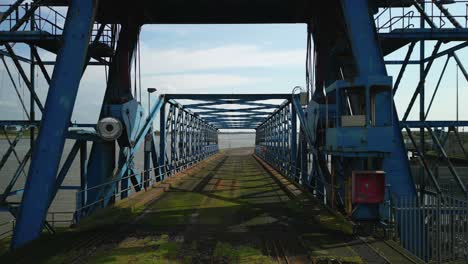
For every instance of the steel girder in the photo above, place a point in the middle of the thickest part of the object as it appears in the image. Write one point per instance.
(231, 111)
(23, 22)
(276, 139)
(56, 117)
(191, 138)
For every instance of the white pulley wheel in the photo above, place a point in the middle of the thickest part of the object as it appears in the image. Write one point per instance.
(109, 128)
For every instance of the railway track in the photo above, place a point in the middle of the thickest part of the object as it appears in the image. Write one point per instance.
(395, 250)
(89, 246)
(276, 251)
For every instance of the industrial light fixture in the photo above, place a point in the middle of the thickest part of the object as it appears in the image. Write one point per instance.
(150, 91)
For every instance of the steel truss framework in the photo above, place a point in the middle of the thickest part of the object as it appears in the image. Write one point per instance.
(276, 139)
(314, 152)
(189, 136)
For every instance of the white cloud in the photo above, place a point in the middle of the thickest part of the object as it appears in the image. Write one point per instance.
(198, 83)
(179, 71)
(222, 57)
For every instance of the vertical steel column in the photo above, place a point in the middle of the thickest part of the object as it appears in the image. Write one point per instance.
(181, 123)
(118, 91)
(124, 183)
(293, 140)
(55, 121)
(190, 138)
(147, 158)
(422, 94)
(83, 172)
(200, 137)
(369, 61)
(162, 139)
(32, 114)
(174, 136)
(363, 38)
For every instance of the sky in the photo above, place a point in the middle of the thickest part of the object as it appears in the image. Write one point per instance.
(230, 59)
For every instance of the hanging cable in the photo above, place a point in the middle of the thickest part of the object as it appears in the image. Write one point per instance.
(456, 77)
(105, 73)
(139, 66)
(135, 73)
(309, 61)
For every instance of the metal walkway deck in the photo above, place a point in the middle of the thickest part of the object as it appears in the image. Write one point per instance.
(231, 208)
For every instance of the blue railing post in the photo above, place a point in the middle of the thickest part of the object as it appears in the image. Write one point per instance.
(293, 141)
(162, 140)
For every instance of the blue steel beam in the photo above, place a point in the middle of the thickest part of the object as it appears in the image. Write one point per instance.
(210, 119)
(252, 111)
(256, 107)
(65, 167)
(399, 62)
(162, 139)
(238, 127)
(433, 124)
(15, 176)
(216, 115)
(232, 125)
(225, 126)
(11, 148)
(124, 167)
(438, 55)
(293, 141)
(232, 102)
(446, 34)
(15, 87)
(421, 83)
(236, 121)
(211, 97)
(403, 67)
(437, 87)
(450, 166)
(23, 75)
(370, 66)
(27, 36)
(55, 121)
(102, 160)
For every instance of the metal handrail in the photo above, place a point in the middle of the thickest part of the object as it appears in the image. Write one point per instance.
(52, 219)
(395, 19)
(50, 26)
(410, 18)
(150, 180)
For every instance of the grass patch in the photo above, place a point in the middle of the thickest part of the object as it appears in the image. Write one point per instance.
(335, 222)
(4, 245)
(344, 260)
(225, 252)
(145, 250)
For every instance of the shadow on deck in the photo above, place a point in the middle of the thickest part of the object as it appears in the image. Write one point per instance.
(228, 209)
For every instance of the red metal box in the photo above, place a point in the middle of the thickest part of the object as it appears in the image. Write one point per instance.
(368, 187)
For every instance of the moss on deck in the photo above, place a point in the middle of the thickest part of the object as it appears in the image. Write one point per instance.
(228, 210)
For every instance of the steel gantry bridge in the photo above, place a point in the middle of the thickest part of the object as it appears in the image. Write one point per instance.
(342, 138)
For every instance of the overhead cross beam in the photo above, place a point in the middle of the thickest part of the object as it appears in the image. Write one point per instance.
(211, 108)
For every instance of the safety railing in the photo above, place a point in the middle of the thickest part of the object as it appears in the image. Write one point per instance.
(320, 189)
(433, 228)
(6, 229)
(67, 218)
(47, 21)
(54, 218)
(60, 218)
(167, 171)
(451, 189)
(399, 16)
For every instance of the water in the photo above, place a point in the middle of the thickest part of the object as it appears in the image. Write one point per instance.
(65, 201)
